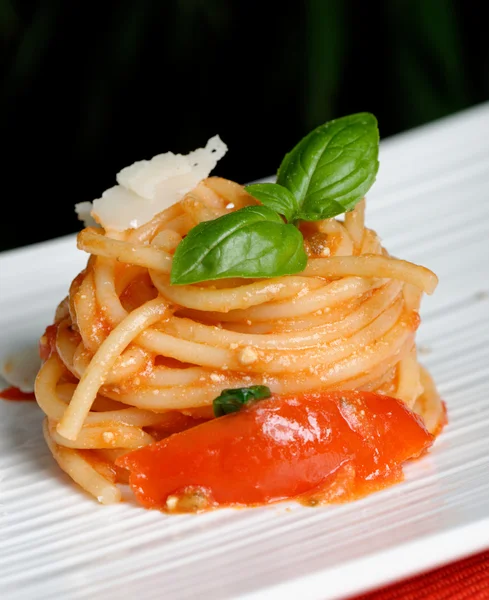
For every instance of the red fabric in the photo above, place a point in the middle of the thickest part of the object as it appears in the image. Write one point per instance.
(467, 579)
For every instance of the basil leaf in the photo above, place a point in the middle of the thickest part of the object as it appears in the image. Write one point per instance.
(250, 242)
(333, 167)
(276, 197)
(230, 401)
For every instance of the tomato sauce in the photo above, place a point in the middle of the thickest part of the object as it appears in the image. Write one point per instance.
(316, 447)
(47, 343)
(14, 393)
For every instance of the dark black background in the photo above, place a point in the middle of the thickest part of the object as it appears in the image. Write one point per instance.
(90, 87)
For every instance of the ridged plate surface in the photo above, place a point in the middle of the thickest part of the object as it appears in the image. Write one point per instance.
(430, 205)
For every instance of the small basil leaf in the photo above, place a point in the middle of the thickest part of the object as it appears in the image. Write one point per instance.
(276, 197)
(333, 167)
(233, 400)
(250, 242)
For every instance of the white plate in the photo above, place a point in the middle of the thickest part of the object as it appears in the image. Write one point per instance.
(431, 205)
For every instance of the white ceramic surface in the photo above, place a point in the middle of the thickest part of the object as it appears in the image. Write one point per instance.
(430, 204)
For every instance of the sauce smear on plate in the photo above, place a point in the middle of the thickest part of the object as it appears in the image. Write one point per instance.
(14, 393)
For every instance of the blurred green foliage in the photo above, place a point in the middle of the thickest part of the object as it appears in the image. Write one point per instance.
(91, 87)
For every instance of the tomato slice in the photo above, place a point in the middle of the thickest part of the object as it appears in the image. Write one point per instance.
(280, 448)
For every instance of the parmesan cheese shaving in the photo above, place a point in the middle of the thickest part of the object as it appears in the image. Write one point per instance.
(149, 186)
(83, 210)
(121, 209)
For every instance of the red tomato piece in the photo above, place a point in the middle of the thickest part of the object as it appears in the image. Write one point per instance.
(279, 448)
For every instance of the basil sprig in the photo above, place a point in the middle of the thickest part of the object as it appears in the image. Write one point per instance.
(251, 242)
(327, 173)
(277, 197)
(323, 176)
(230, 401)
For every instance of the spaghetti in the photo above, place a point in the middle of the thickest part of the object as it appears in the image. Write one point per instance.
(131, 359)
